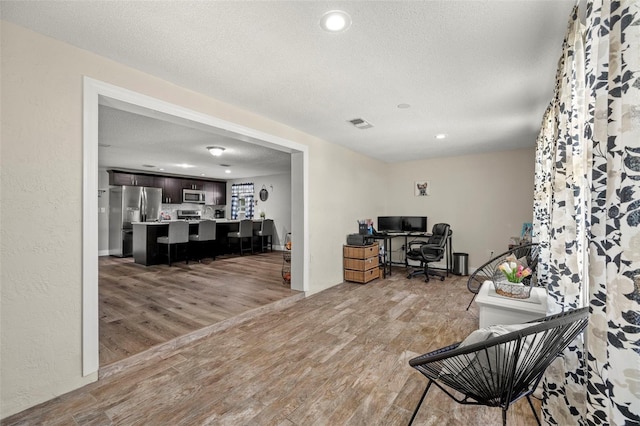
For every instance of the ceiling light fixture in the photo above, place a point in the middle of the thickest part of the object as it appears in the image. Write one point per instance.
(227, 171)
(335, 21)
(441, 136)
(216, 151)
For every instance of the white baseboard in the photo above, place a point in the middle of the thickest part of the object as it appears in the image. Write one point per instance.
(103, 252)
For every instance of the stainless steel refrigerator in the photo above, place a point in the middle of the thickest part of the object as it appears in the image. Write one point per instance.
(130, 204)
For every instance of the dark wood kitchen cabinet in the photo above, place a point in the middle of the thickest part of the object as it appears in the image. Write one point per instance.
(172, 189)
(172, 186)
(216, 193)
(194, 184)
(131, 179)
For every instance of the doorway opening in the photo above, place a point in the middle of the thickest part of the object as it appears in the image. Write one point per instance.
(94, 91)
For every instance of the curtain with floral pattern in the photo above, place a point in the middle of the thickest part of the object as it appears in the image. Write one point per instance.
(561, 215)
(587, 216)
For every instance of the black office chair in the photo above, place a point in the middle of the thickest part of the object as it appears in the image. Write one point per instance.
(504, 368)
(429, 251)
(487, 271)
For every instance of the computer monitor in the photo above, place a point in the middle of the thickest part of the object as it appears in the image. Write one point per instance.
(389, 223)
(414, 223)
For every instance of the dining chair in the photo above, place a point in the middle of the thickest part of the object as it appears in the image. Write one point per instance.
(245, 230)
(206, 234)
(265, 231)
(178, 235)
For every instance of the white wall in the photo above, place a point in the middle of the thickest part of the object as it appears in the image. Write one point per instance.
(485, 198)
(277, 206)
(41, 171)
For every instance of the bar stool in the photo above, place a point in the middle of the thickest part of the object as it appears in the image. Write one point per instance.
(245, 230)
(206, 233)
(266, 230)
(178, 234)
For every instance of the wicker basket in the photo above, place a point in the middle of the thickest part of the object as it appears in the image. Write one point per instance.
(515, 290)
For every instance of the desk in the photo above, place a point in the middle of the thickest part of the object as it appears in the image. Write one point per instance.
(387, 238)
(496, 309)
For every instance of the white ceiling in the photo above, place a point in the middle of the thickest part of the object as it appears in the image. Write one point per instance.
(136, 138)
(480, 71)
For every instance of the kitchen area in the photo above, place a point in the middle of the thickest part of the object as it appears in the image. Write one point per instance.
(145, 305)
(155, 169)
(141, 206)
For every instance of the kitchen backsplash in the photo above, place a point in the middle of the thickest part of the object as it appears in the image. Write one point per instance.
(207, 212)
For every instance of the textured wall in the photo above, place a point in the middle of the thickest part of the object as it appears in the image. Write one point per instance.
(40, 229)
(485, 197)
(41, 172)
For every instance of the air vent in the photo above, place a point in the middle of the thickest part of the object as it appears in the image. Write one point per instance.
(225, 165)
(149, 166)
(360, 123)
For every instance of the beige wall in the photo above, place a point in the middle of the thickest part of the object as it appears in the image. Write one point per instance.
(277, 206)
(485, 197)
(41, 173)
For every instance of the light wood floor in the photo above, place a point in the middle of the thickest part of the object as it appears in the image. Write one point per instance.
(337, 357)
(142, 307)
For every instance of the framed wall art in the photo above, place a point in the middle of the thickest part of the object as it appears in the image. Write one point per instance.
(422, 188)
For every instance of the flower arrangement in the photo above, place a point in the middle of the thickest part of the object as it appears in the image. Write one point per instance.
(514, 271)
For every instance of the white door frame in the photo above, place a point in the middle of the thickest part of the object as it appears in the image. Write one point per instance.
(93, 90)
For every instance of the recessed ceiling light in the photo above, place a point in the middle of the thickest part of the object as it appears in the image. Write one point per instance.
(404, 106)
(335, 21)
(227, 171)
(202, 174)
(441, 136)
(216, 151)
(161, 169)
(185, 165)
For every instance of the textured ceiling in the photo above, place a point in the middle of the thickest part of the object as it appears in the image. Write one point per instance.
(480, 71)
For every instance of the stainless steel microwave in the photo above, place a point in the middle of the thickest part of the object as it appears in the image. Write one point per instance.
(193, 196)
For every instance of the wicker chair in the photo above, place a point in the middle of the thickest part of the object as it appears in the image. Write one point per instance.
(500, 370)
(489, 269)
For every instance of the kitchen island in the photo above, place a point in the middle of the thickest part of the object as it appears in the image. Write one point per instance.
(145, 238)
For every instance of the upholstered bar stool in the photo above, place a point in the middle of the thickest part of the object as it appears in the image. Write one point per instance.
(245, 230)
(178, 234)
(265, 231)
(206, 234)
